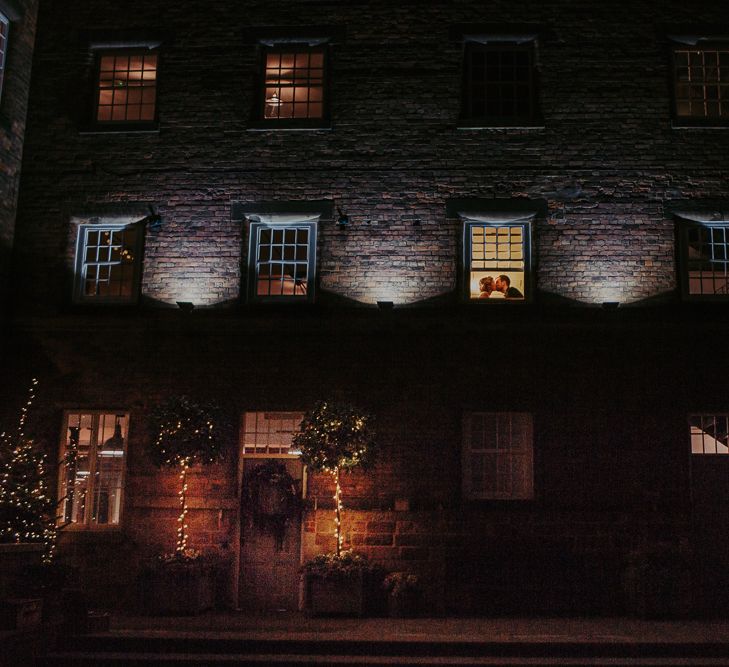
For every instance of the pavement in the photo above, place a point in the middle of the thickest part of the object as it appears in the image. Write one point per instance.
(296, 626)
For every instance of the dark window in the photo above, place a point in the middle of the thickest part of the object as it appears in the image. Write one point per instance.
(498, 456)
(496, 261)
(126, 88)
(705, 260)
(701, 83)
(294, 87)
(282, 261)
(499, 85)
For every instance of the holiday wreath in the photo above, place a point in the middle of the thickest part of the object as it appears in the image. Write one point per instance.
(270, 498)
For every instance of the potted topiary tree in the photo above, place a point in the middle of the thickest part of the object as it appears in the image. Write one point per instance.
(334, 438)
(185, 433)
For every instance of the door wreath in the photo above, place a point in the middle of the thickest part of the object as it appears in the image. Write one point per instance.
(271, 499)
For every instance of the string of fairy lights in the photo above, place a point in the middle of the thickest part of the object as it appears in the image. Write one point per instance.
(26, 508)
(170, 438)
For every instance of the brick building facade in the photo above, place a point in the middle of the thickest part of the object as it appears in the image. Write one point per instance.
(174, 133)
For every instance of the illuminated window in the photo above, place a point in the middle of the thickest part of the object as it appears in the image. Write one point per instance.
(108, 261)
(4, 29)
(294, 84)
(499, 88)
(496, 261)
(282, 261)
(701, 83)
(270, 433)
(705, 250)
(498, 456)
(709, 434)
(91, 469)
(126, 87)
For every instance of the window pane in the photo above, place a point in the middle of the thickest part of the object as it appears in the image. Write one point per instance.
(270, 432)
(91, 469)
(294, 85)
(106, 262)
(497, 262)
(119, 77)
(498, 455)
(703, 69)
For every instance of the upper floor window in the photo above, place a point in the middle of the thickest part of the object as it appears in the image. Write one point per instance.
(91, 472)
(499, 85)
(126, 88)
(4, 30)
(709, 433)
(497, 459)
(294, 83)
(108, 263)
(701, 83)
(282, 261)
(496, 265)
(705, 259)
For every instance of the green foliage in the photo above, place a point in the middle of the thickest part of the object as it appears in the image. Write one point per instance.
(186, 431)
(345, 566)
(26, 508)
(335, 437)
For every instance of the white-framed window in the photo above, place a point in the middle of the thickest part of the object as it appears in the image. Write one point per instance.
(108, 263)
(91, 468)
(4, 30)
(498, 453)
(704, 250)
(709, 433)
(269, 434)
(281, 261)
(496, 261)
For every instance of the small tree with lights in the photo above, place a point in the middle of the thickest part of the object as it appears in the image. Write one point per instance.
(185, 433)
(26, 508)
(332, 438)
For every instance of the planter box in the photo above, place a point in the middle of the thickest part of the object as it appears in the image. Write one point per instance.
(329, 596)
(180, 589)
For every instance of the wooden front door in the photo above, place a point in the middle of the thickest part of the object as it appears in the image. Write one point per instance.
(269, 557)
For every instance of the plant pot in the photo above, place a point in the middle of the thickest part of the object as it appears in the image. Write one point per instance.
(180, 590)
(335, 595)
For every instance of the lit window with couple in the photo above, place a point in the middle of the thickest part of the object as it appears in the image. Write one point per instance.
(499, 288)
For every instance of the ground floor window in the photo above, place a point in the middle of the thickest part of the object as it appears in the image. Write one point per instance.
(498, 456)
(91, 469)
(706, 260)
(709, 434)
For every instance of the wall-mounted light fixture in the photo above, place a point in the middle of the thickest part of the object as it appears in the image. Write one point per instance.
(186, 306)
(342, 220)
(610, 305)
(153, 220)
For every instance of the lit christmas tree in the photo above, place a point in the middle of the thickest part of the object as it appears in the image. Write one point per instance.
(26, 508)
